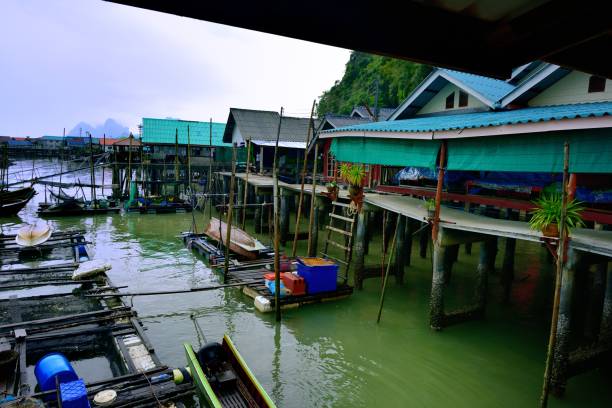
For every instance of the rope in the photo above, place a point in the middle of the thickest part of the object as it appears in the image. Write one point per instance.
(159, 404)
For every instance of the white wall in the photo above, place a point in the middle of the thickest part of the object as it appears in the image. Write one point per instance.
(438, 102)
(573, 88)
(236, 136)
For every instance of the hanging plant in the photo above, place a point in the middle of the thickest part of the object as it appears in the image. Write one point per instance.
(430, 205)
(332, 190)
(547, 216)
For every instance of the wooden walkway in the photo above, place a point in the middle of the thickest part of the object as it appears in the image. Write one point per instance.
(588, 240)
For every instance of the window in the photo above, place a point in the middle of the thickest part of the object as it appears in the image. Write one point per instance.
(331, 163)
(463, 99)
(450, 101)
(597, 84)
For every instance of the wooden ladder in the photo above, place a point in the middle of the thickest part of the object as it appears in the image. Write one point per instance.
(346, 231)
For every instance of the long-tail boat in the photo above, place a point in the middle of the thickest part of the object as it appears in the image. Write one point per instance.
(223, 377)
(11, 202)
(241, 242)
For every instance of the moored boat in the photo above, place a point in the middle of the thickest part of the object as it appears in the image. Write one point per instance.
(11, 202)
(223, 377)
(241, 242)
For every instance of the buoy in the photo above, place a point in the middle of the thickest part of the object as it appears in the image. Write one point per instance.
(105, 397)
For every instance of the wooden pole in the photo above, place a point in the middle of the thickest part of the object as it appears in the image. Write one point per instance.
(92, 174)
(176, 163)
(384, 286)
(104, 150)
(313, 201)
(298, 215)
(228, 234)
(277, 308)
(210, 158)
(561, 254)
(128, 177)
(246, 183)
(189, 157)
(436, 220)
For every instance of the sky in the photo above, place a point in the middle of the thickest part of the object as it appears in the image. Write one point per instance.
(67, 61)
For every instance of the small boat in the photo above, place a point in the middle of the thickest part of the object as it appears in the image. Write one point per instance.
(223, 377)
(240, 241)
(32, 235)
(11, 202)
(74, 207)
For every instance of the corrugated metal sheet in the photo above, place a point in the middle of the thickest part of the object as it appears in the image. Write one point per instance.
(164, 130)
(491, 88)
(485, 119)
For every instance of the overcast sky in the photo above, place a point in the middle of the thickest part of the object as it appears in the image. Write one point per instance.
(66, 61)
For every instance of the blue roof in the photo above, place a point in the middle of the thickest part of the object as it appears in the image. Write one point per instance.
(485, 119)
(46, 137)
(164, 131)
(491, 88)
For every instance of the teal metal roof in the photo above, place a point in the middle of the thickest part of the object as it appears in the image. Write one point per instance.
(484, 119)
(164, 130)
(47, 137)
(491, 88)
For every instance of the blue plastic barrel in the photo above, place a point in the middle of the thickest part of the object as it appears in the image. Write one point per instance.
(50, 366)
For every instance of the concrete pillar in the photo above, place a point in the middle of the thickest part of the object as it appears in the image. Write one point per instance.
(436, 302)
(560, 365)
(389, 227)
(450, 256)
(359, 255)
(258, 213)
(400, 249)
(424, 237)
(507, 272)
(315, 231)
(488, 251)
(284, 218)
(605, 328)
(368, 231)
(408, 241)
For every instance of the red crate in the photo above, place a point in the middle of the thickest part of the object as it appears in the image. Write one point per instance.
(296, 284)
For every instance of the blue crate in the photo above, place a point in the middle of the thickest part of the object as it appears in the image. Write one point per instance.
(74, 394)
(322, 278)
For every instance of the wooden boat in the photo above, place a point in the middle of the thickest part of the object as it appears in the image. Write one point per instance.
(73, 207)
(11, 202)
(32, 235)
(223, 377)
(240, 241)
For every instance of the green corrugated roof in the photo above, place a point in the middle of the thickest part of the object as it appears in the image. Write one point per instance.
(164, 130)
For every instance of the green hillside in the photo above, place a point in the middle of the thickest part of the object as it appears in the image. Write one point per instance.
(397, 78)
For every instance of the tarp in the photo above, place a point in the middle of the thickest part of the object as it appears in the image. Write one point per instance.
(590, 152)
(387, 152)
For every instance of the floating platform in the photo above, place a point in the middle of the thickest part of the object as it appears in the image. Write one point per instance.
(61, 245)
(161, 209)
(105, 337)
(48, 211)
(255, 288)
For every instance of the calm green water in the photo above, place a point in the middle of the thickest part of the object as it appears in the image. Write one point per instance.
(335, 354)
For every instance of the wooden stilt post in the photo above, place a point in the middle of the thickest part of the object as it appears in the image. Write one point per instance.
(189, 161)
(507, 272)
(284, 217)
(277, 307)
(258, 212)
(561, 253)
(176, 163)
(408, 244)
(246, 183)
(104, 151)
(441, 164)
(487, 252)
(128, 178)
(298, 214)
(360, 237)
(398, 226)
(312, 249)
(424, 236)
(230, 210)
(92, 174)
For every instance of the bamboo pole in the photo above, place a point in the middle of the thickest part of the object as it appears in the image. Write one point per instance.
(173, 292)
(384, 285)
(230, 210)
(128, 177)
(104, 150)
(92, 174)
(304, 168)
(246, 183)
(176, 163)
(561, 254)
(210, 157)
(436, 220)
(189, 157)
(277, 307)
(313, 198)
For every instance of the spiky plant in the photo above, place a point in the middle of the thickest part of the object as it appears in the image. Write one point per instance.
(548, 212)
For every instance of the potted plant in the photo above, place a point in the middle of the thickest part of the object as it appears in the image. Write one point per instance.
(332, 190)
(354, 175)
(547, 216)
(430, 205)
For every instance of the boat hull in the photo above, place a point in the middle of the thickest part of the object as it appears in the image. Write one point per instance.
(11, 202)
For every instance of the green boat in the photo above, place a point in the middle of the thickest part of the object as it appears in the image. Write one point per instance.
(223, 377)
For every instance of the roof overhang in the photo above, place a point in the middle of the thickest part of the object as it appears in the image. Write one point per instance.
(288, 145)
(503, 130)
(534, 85)
(478, 36)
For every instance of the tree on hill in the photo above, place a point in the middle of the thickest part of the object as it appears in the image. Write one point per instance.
(396, 79)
